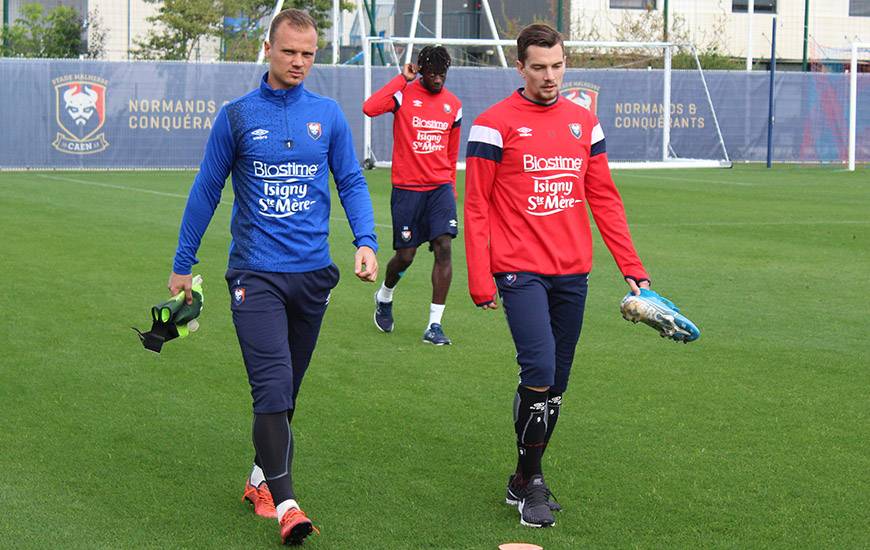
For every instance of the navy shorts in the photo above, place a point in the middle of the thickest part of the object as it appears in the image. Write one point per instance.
(422, 216)
(545, 315)
(277, 318)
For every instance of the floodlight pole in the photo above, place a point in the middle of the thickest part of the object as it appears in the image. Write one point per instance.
(806, 33)
(750, 11)
(666, 105)
(336, 10)
(439, 16)
(494, 30)
(412, 32)
(853, 100)
(262, 55)
(770, 100)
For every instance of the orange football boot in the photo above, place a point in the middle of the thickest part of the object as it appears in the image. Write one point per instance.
(261, 498)
(295, 526)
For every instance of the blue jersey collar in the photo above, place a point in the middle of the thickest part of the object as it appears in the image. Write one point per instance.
(279, 96)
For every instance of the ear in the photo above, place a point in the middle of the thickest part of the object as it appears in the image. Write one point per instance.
(520, 67)
(266, 48)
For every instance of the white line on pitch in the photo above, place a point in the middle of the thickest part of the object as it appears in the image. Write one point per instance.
(153, 192)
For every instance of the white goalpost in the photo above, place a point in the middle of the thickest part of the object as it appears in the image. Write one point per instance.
(663, 157)
(853, 99)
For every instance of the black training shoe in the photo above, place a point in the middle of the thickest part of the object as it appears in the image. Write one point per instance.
(434, 335)
(533, 507)
(516, 492)
(383, 315)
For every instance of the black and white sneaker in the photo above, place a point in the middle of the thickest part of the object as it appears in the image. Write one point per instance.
(533, 507)
(383, 315)
(516, 492)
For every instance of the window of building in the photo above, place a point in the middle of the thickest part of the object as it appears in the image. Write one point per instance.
(859, 7)
(633, 4)
(761, 6)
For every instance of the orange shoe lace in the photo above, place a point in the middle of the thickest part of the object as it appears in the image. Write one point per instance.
(264, 498)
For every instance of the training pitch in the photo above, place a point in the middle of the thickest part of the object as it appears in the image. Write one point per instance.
(756, 435)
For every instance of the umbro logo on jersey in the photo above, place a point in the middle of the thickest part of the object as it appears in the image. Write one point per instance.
(260, 133)
(525, 132)
(417, 103)
(576, 129)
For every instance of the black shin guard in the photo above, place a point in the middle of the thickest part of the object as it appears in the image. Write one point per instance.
(554, 406)
(530, 423)
(273, 442)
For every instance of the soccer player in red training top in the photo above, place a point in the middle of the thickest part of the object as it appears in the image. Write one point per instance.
(534, 161)
(425, 147)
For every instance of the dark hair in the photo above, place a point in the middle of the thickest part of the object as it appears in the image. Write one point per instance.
(538, 34)
(295, 18)
(433, 59)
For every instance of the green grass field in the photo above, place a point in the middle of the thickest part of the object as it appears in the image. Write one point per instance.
(756, 436)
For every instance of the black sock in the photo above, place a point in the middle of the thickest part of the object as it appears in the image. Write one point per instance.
(554, 405)
(530, 423)
(257, 457)
(273, 442)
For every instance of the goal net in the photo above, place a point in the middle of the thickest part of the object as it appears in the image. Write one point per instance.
(626, 84)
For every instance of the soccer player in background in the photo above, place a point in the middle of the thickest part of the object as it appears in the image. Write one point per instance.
(426, 119)
(279, 142)
(534, 161)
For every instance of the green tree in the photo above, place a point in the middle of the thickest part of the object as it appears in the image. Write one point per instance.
(59, 33)
(180, 25)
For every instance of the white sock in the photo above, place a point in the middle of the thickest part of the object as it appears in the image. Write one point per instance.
(435, 313)
(385, 294)
(257, 477)
(284, 506)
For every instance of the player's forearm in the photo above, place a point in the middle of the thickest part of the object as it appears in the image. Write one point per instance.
(479, 178)
(609, 213)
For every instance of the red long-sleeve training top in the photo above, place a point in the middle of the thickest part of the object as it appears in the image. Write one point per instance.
(530, 169)
(426, 129)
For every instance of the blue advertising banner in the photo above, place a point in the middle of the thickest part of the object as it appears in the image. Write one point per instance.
(94, 115)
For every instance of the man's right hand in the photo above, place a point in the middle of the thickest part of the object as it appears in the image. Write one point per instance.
(177, 283)
(409, 71)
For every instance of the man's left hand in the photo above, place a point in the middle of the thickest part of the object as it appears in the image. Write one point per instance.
(366, 264)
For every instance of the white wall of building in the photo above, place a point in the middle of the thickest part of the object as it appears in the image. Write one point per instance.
(830, 25)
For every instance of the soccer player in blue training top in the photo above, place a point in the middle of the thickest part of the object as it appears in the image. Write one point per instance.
(279, 142)
(426, 126)
(535, 160)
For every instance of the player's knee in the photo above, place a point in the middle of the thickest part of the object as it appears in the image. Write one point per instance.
(442, 249)
(406, 256)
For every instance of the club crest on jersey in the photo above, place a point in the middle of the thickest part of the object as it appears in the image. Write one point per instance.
(447, 108)
(583, 94)
(314, 130)
(238, 295)
(576, 129)
(406, 233)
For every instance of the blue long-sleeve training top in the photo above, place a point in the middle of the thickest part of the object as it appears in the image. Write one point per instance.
(279, 146)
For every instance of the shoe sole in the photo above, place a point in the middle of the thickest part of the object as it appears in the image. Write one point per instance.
(425, 341)
(299, 533)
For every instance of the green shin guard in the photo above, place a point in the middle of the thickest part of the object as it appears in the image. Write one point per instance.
(174, 318)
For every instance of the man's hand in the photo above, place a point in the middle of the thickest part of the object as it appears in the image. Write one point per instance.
(635, 288)
(366, 264)
(409, 71)
(177, 283)
(491, 305)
